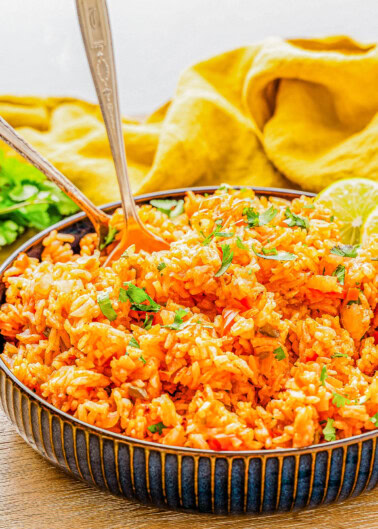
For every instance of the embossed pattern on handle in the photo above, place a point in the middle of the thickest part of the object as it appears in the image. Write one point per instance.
(11, 138)
(95, 29)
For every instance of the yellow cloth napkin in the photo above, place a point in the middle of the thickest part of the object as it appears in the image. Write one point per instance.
(288, 113)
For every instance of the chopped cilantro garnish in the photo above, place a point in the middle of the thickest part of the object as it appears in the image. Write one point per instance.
(329, 431)
(339, 400)
(240, 244)
(356, 301)
(106, 306)
(254, 218)
(295, 220)
(161, 266)
(142, 359)
(340, 355)
(272, 253)
(309, 206)
(172, 208)
(227, 256)
(279, 353)
(216, 233)
(224, 187)
(137, 297)
(134, 343)
(323, 375)
(147, 324)
(110, 236)
(345, 250)
(339, 272)
(332, 218)
(178, 321)
(374, 420)
(158, 427)
(269, 251)
(267, 215)
(223, 234)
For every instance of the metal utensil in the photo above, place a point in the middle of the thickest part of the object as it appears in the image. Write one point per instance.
(98, 218)
(96, 33)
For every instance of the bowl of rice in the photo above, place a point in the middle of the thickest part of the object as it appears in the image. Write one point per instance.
(235, 372)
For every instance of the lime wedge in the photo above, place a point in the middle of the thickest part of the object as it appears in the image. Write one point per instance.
(370, 227)
(351, 200)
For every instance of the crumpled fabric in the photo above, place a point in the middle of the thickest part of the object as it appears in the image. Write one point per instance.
(296, 113)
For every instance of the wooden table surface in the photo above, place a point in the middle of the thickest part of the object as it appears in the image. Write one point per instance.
(36, 495)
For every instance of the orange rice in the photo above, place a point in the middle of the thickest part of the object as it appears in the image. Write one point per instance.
(268, 354)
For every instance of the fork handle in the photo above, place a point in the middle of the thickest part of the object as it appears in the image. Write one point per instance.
(95, 29)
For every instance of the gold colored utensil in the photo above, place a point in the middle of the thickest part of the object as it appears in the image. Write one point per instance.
(96, 33)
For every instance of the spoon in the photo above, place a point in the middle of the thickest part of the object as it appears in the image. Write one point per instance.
(95, 29)
(99, 218)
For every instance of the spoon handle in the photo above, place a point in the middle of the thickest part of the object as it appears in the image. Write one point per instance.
(95, 30)
(10, 136)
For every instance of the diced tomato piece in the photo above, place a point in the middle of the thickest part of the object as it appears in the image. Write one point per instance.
(245, 303)
(318, 295)
(222, 442)
(214, 444)
(352, 294)
(336, 295)
(312, 357)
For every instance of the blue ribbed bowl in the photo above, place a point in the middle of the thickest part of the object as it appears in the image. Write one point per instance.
(263, 481)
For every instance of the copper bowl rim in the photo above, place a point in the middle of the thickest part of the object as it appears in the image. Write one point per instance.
(279, 192)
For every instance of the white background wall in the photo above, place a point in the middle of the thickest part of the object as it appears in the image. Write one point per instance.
(41, 51)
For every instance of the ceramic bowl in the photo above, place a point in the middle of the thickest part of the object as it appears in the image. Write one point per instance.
(262, 481)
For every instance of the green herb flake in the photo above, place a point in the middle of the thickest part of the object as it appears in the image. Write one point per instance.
(161, 266)
(137, 297)
(178, 321)
(339, 400)
(110, 236)
(227, 256)
(142, 359)
(215, 233)
(147, 324)
(224, 187)
(323, 375)
(345, 250)
(269, 251)
(172, 208)
(240, 244)
(279, 353)
(106, 306)
(255, 219)
(252, 217)
(278, 256)
(340, 355)
(339, 272)
(354, 301)
(295, 220)
(158, 427)
(267, 215)
(309, 206)
(134, 343)
(374, 420)
(223, 234)
(332, 218)
(329, 431)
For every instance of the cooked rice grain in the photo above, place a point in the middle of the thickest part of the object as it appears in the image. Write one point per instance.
(263, 348)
